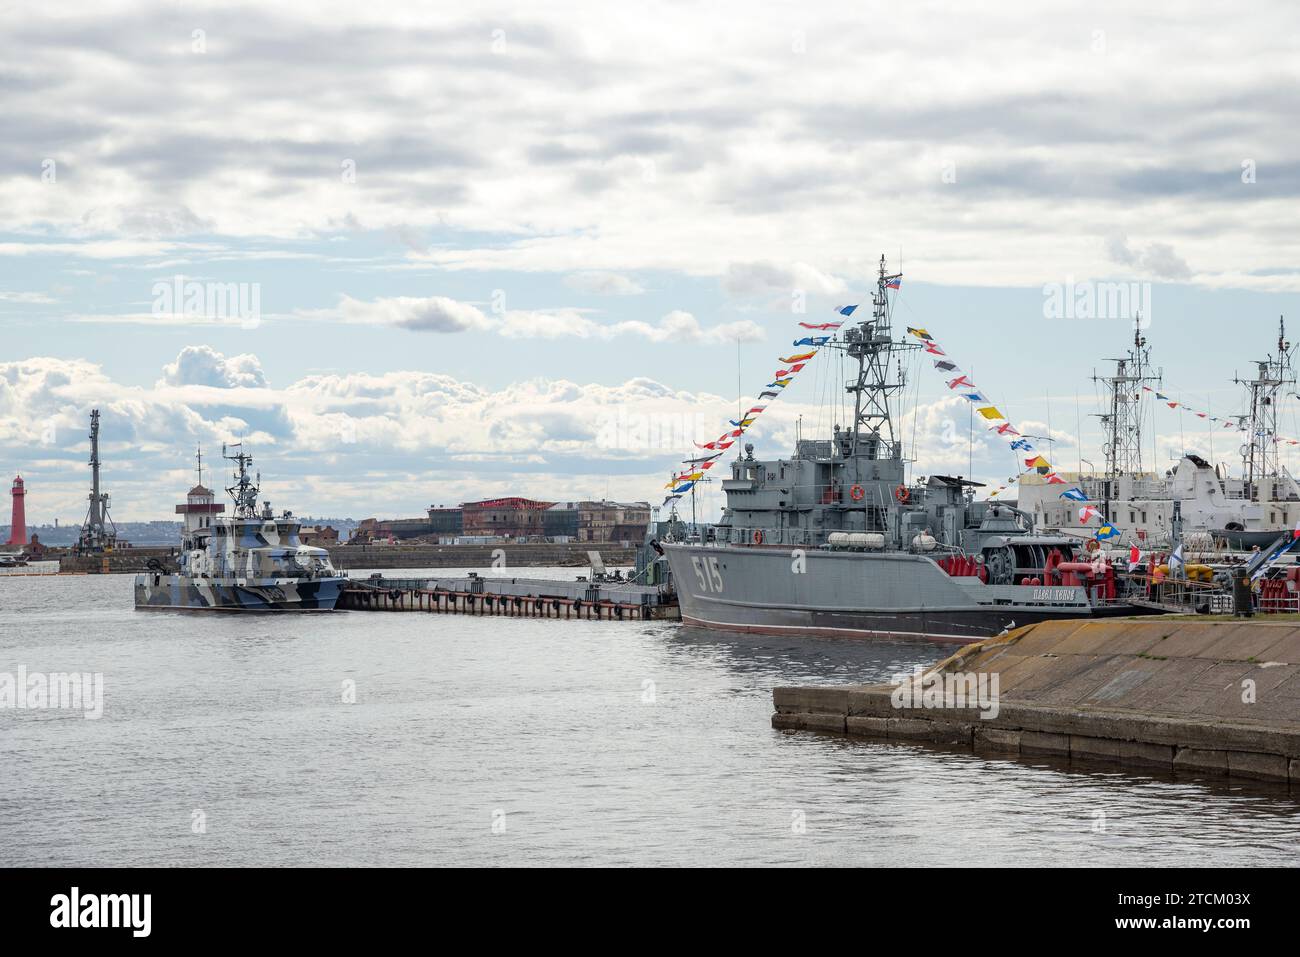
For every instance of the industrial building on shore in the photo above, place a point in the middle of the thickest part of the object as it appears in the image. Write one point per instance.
(518, 520)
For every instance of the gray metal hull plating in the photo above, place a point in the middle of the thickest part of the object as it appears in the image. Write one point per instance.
(858, 594)
(182, 593)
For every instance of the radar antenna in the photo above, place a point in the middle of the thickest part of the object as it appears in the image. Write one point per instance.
(244, 491)
(1123, 420)
(1260, 458)
(871, 343)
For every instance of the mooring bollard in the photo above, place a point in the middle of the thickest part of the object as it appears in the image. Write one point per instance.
(1241, 597)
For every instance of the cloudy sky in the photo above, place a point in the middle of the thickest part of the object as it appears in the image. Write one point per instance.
(519, 250)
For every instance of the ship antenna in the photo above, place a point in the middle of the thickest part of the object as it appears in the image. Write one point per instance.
(1261, 457)
(871, 343)
(244, 490)
(739, 416)
(1122, 422)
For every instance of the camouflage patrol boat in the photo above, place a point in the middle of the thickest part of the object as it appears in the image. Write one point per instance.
(250, 561)
(834, 541)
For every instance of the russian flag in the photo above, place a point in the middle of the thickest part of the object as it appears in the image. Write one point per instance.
(894, 283)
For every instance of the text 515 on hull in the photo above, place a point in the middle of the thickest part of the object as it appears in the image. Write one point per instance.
(251, 561)
(831, 592)
(835, 541)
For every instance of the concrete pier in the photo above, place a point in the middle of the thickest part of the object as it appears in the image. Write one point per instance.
(1213, 698)
(512, 597)
(31, 568)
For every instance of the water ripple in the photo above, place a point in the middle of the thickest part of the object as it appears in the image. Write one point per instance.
(491, 741)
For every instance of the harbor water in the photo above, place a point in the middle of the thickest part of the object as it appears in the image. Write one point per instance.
(358, 738)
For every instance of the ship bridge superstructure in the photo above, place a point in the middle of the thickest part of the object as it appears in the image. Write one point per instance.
(855, 483)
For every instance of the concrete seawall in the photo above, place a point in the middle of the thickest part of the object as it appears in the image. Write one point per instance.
(121, 560)
(1213, 698)
(385, 556)
(476, 556)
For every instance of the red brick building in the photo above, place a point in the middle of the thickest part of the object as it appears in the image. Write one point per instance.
(505, 517)
(612, 521)
(376, 530)
(320, 535)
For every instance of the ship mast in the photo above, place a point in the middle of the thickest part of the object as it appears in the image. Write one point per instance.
(245, 489)
(870, 342)
(1260, 457)
(1122, 422)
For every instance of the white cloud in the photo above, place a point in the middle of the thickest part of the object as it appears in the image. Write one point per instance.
(432, 314)
(203, 365)
(687, 141)
(603, 283)
(176, 318)
(681, 326)
(767, 278)
(440, 314)
(103, 248)
(144, 221)
(27, 298)
(547, 324)
(393, 441)
(1157, 259)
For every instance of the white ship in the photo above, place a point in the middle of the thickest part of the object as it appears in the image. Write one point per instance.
(1195, 501)
(250, 561)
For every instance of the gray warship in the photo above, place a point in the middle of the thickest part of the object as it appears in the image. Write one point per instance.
(250, 561)
(834, 541)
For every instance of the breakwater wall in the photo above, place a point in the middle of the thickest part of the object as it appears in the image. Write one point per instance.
(1203, 697)
(477, 556)
(119, 561)
(131, 560)
(31, 568)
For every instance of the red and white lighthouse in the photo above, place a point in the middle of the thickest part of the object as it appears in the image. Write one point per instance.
(18, 524)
